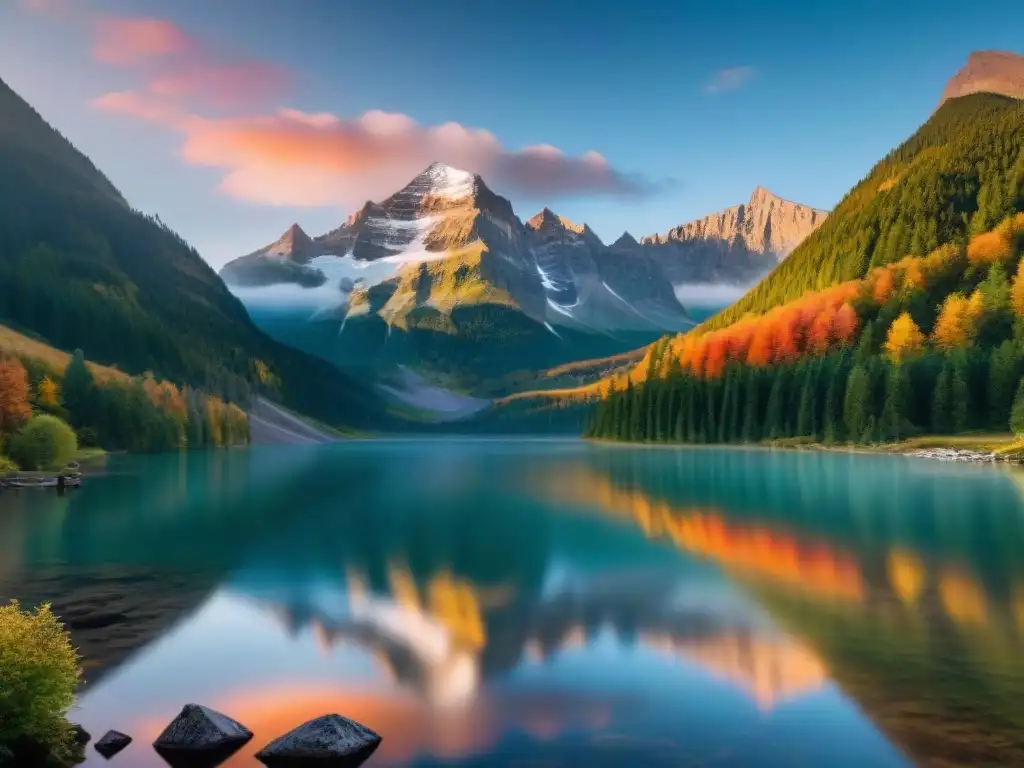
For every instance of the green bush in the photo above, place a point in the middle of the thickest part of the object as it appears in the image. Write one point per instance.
(45, 441)
(6, 465)
(39, 669)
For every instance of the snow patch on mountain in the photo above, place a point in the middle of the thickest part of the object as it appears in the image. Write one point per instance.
(449, 182)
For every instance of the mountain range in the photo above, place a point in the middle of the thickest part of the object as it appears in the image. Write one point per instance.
(554, 270)
(445, 263)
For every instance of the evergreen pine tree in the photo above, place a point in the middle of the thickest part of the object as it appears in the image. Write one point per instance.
(740, 374)
(894, 413)
(857, 406)
(752, 406)
(960, 392)
(1017, 414)
(805, 426)
(774, 418)
(942, 400)
(1004, 372)
(79, 392)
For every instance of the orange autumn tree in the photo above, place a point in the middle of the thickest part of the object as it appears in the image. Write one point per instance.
(811, 325)
(883, 284)
(14, 406)
(1017, 291)
(905, 339)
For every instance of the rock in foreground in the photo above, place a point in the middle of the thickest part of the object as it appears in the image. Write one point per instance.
(79, 735)
(200, 735)
(111, 743)
(329, 741)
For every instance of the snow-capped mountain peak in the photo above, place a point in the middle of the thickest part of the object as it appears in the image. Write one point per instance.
(449, 182)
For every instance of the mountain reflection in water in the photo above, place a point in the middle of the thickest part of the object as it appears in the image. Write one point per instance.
(484, 602)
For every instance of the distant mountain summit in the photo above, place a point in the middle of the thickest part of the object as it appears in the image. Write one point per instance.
(999, 72)
(736, 246)
(766, 224)
(281, 261)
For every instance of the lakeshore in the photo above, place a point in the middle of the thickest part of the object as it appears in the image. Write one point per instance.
(980, 448)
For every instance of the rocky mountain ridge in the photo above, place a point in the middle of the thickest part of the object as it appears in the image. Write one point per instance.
(766, 224)
(999, 72)
(556, 270)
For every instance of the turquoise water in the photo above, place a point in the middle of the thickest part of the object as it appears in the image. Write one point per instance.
(517, 602)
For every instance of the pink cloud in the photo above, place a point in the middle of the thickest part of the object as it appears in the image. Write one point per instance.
(230, 85)
(138, 106)
(128, 42)
(48, 7)
(301, 159)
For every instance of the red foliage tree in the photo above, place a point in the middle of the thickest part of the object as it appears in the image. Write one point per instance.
(14, 406)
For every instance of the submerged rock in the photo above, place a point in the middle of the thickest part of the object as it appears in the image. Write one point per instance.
(330, 741)
(111, 743)
(200, 736)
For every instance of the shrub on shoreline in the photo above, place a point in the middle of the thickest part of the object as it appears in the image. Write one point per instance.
(45, 441)
(40, 670)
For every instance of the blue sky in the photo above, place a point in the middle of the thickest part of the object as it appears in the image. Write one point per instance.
(831, 88)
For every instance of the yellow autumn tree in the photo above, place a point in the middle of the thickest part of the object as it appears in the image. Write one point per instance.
(1017, 291)
(905, 339)
(957, 321)
(47, 391)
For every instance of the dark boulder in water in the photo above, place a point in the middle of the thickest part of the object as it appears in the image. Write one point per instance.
(111, 743)
(200, 736)
(330, 741)
(79, 735)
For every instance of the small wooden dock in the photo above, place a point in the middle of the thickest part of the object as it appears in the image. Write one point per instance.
(17, 481)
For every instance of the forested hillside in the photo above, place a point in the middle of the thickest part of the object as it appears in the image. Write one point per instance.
(104, 407)
(83, 270)
(931, 344)
(959, 175)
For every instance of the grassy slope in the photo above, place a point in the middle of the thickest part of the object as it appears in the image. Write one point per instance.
(20, 345)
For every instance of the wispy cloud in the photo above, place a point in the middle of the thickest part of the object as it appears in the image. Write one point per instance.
(49, 7)
(730, 79)
(296, 158)
(129, 42)
(183, 69)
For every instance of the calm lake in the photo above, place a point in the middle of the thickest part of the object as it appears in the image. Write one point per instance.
(540, 603)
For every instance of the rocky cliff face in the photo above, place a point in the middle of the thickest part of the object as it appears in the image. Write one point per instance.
(998, 72)
(736, 246)
(766, 224)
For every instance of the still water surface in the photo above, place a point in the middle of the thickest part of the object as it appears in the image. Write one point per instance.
(497, 603)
